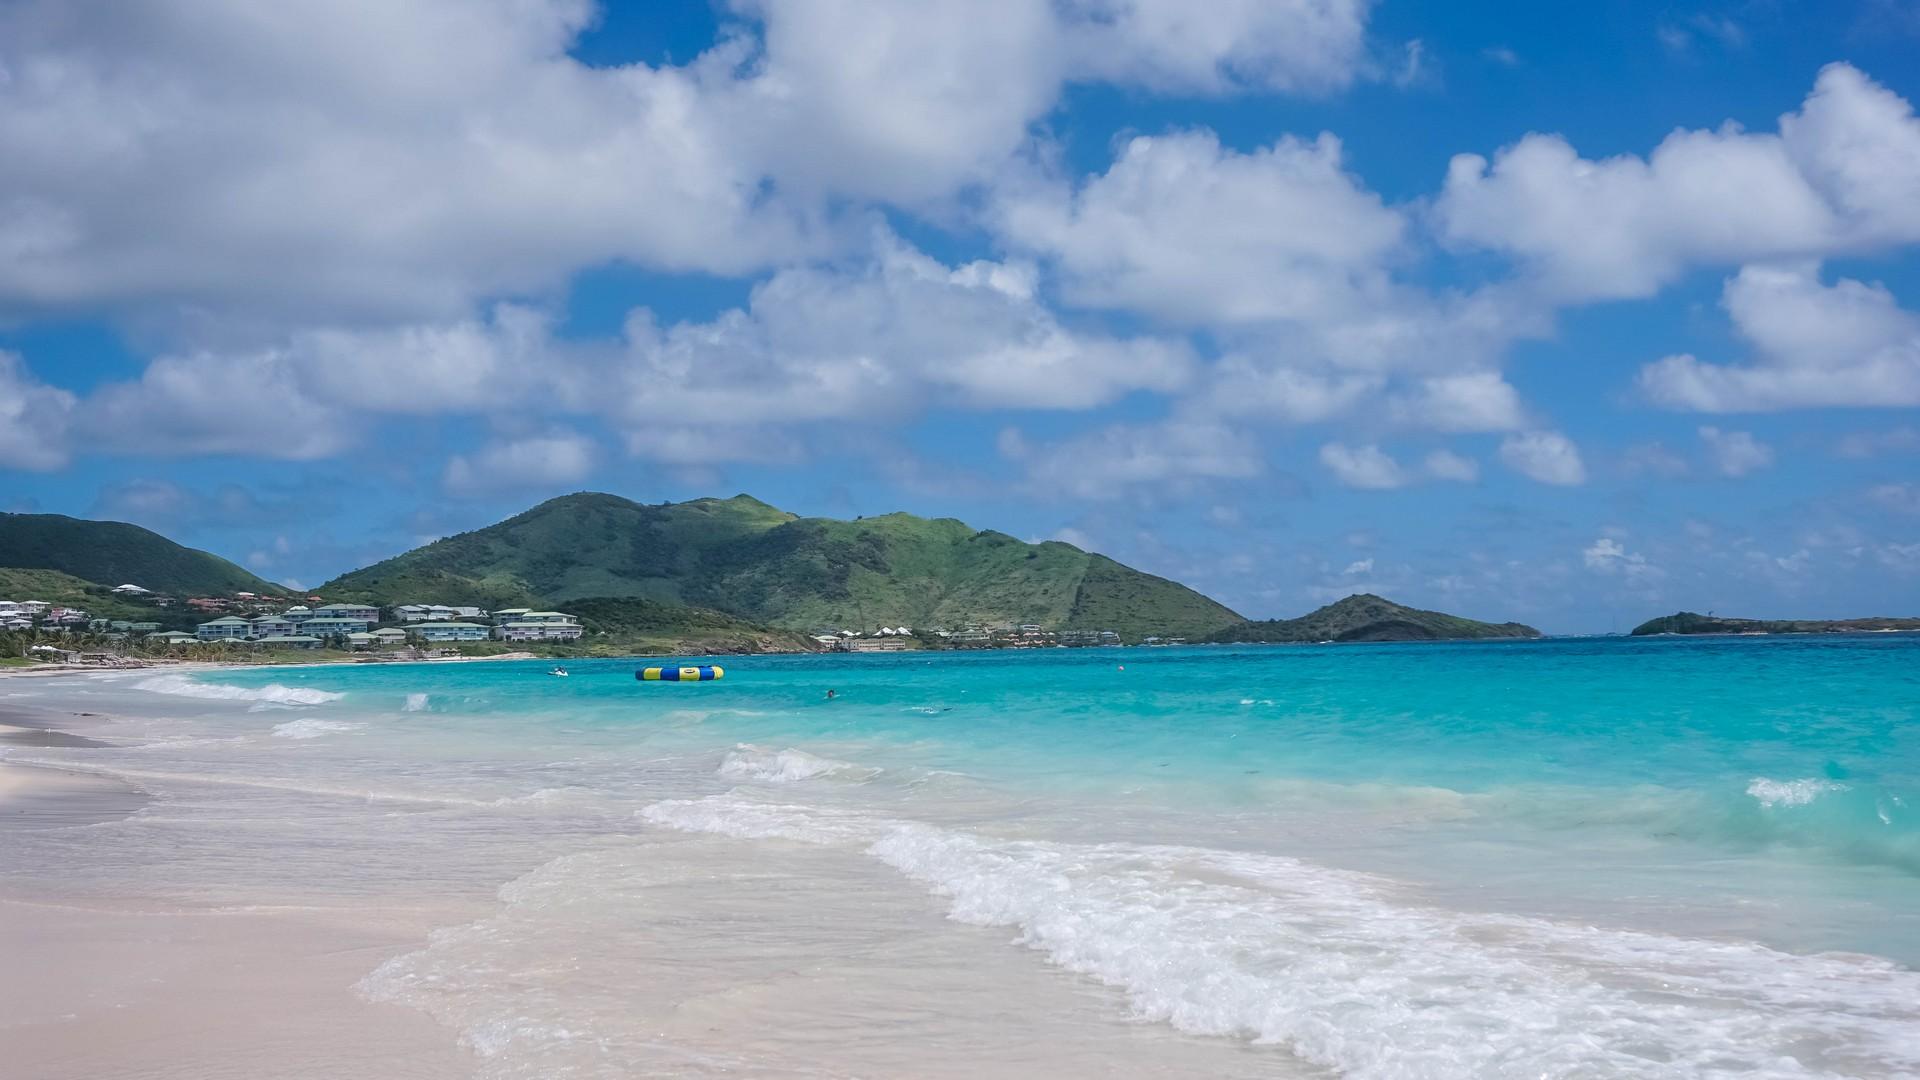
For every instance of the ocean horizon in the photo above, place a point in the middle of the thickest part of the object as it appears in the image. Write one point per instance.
(1567, 857)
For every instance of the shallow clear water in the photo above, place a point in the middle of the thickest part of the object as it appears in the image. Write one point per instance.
(1575, 857)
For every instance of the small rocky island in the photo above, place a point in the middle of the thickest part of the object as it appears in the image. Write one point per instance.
(1689, 622)
(1366, 617)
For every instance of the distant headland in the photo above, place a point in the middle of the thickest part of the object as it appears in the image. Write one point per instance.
(1689, 622)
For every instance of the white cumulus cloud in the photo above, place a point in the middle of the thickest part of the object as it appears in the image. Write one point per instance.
(1366, 467)
(34, 418)
(1121, 460)
(1607, 555)
(398, 162)
(532, 462)
(1814, 346)
(1735, 453)
(1447, 465)
(1841, 175)
(1546, 456)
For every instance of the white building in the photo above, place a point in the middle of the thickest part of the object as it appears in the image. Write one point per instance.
(454, 631)
(130, 590)
(229, 628)
(366, 613)
(542, 626)
(413, 613)
(327, 626)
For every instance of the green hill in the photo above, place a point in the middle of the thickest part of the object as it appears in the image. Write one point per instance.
(115, 553)
(1688, 622)
(652, 626)
(95, 599)
(744, 558)
(1365, 617)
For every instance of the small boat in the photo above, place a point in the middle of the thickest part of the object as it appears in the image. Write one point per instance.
(560, 671)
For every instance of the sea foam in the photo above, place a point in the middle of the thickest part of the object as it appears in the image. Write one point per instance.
(308, 727)
(271, 694)
(1347, 973)
(749, 762)
(1772, 793)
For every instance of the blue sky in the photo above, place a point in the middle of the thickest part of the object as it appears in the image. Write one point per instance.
(1575, 315)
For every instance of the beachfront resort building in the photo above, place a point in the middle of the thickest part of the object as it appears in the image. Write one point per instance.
(1083, 639)
(413, 613)
(541, 626)
(226, 628)
(365, 613)
(506, 615)
(454, 631)
(272, 626)
(876, 644)
(292, 641)
(325, 627)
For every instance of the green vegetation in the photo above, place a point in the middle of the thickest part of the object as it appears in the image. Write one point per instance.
(651, 626)
(1365, 617)
(95, 599)
(113, 553)
(1688, 622)
(743, 558)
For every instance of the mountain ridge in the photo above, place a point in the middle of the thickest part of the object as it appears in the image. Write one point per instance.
(1691, 622)
(745, 558)
(1366, 617)
(114, 553)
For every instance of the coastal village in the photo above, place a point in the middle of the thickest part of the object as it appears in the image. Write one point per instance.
(255, 621)
(248, 619)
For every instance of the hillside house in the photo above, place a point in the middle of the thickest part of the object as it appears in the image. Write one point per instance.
(454, 631)
(366, 613)
(542, 626)
(226, 628)
(328, 626)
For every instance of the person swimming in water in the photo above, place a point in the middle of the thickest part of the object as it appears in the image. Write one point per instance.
(831, 695)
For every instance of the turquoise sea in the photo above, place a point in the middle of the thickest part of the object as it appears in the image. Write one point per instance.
(1574, 857)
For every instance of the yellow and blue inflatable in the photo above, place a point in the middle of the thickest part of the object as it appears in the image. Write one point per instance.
(699, 673)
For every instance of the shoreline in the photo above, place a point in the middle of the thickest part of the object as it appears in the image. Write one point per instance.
(130, 982)
(39, 795)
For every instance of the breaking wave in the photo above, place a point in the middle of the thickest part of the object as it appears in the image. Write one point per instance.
(311, 728)
(1772, 793)
(1345, 973)
(749, 762)
(271, 694)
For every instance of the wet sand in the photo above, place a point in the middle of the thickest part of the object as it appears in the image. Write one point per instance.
(90, 991)
(130, 986)
(42, 797)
